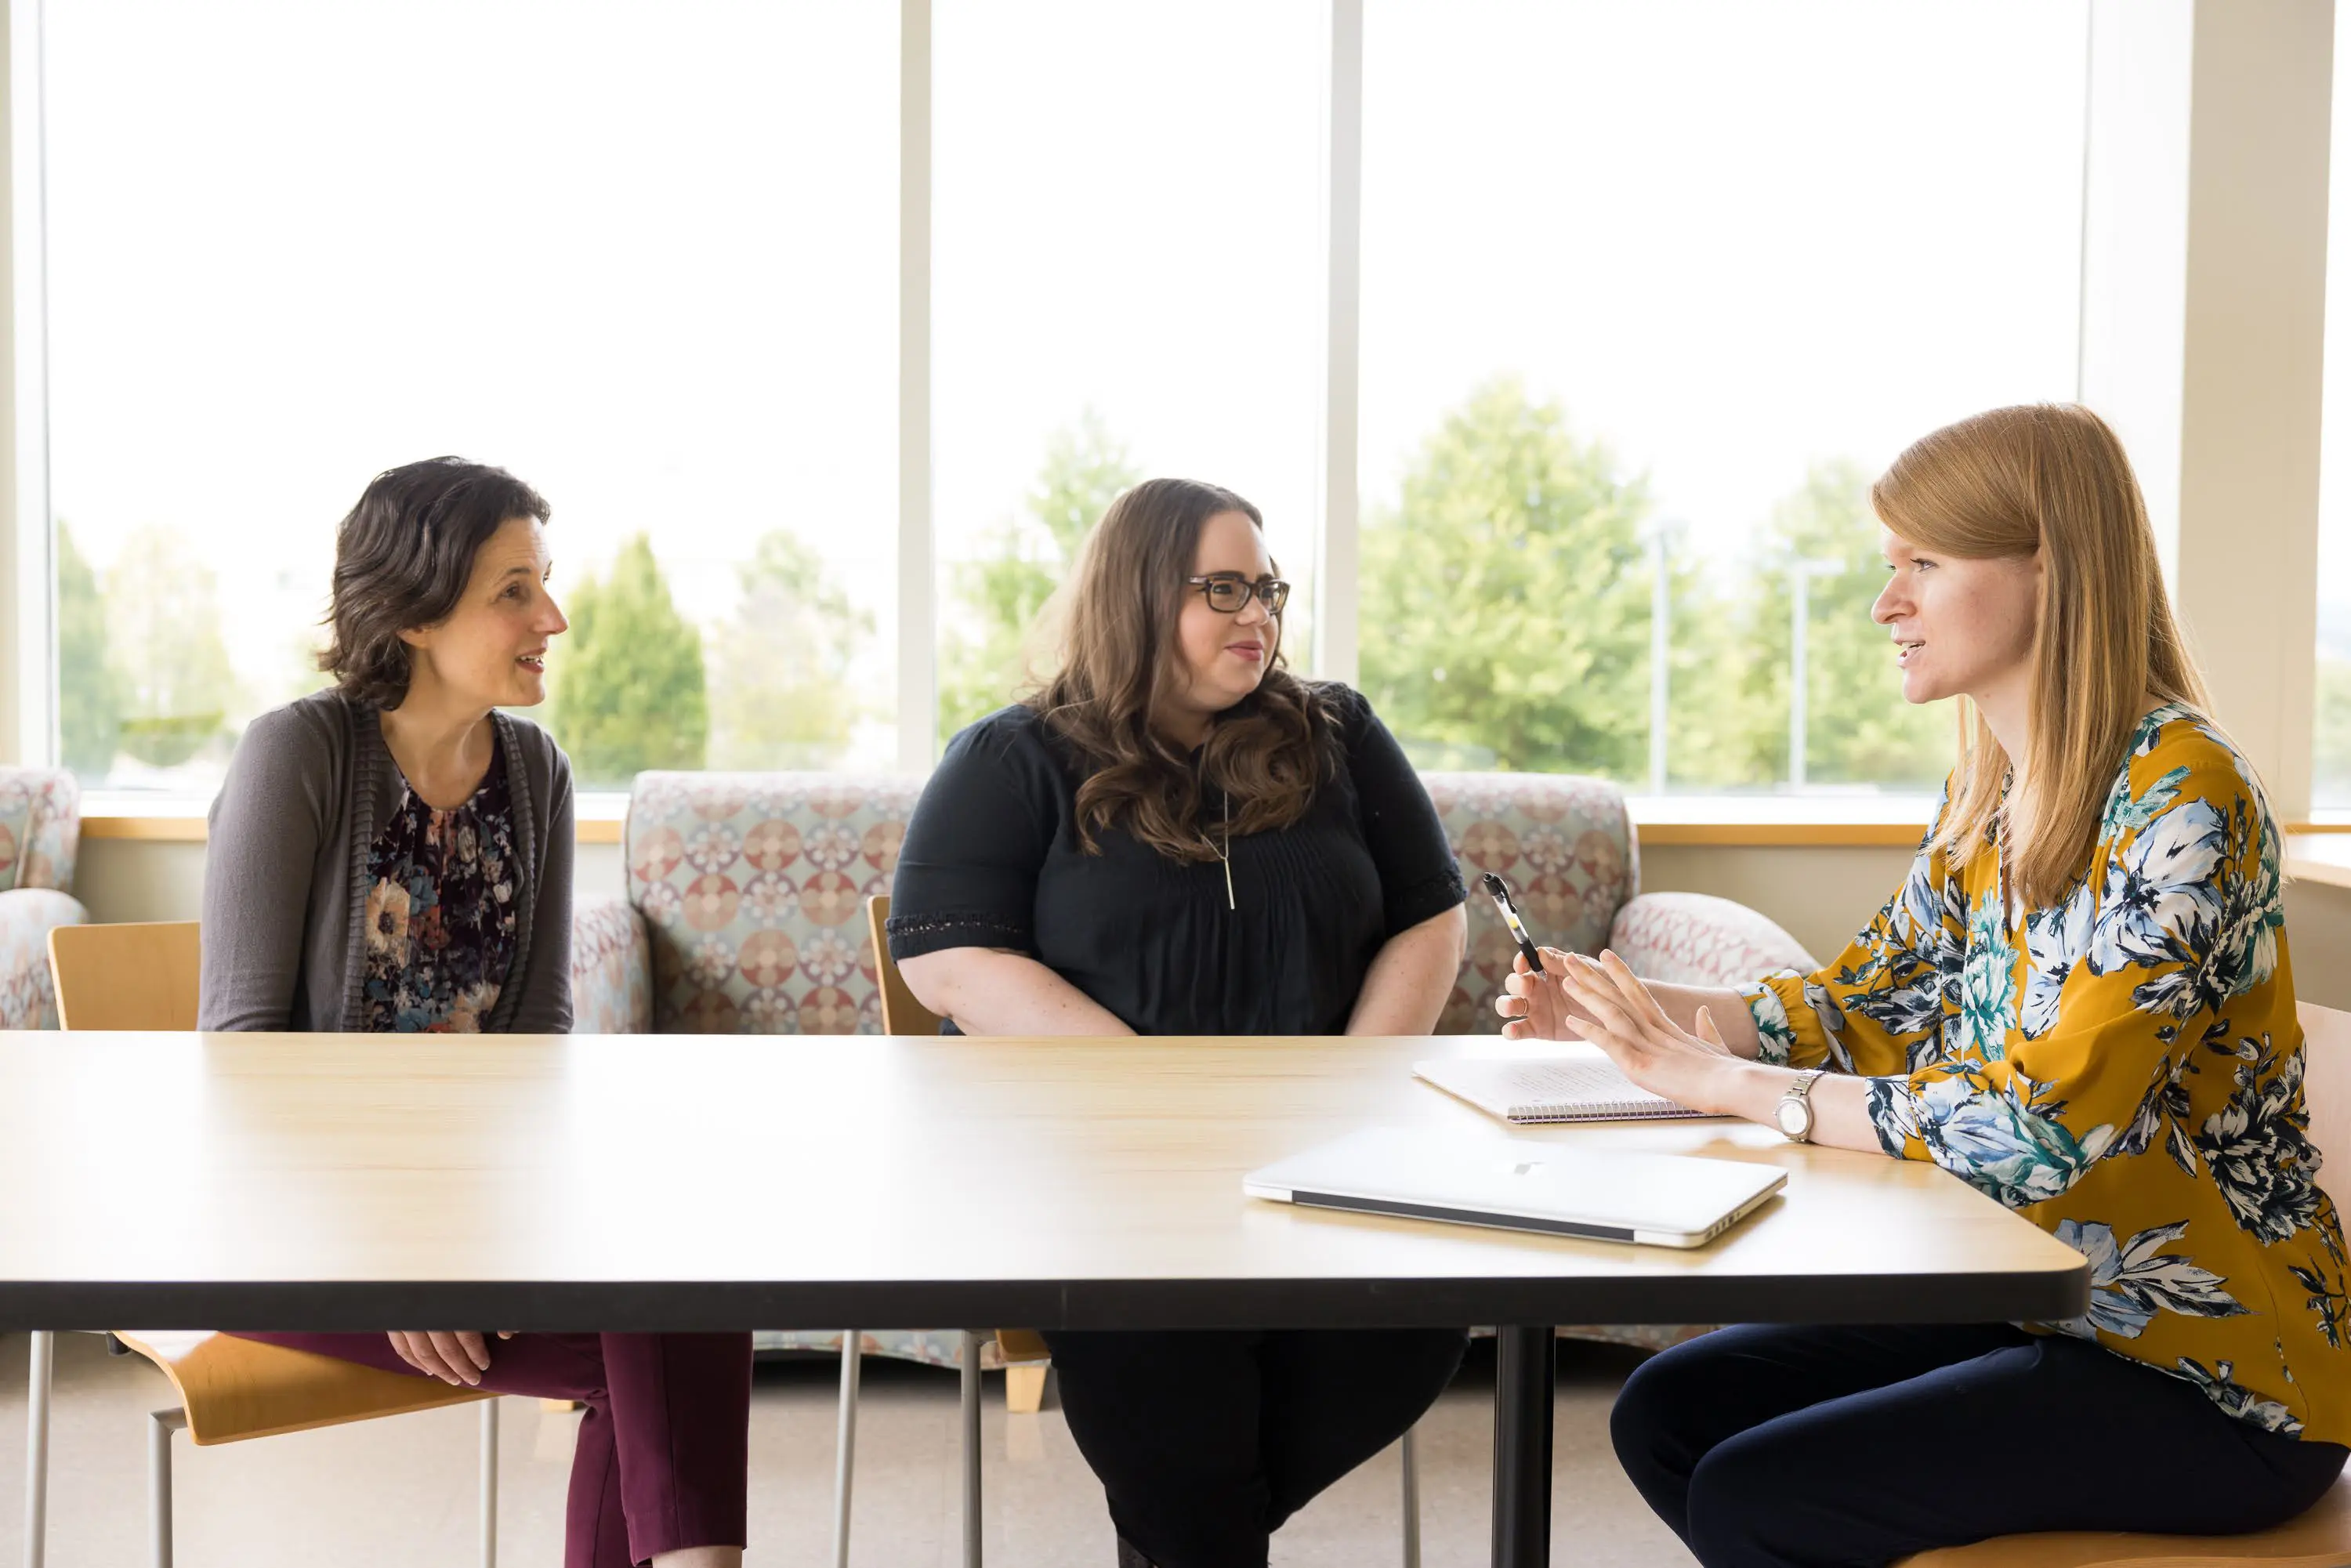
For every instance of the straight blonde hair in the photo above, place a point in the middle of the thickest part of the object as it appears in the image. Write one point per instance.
(2051, 478)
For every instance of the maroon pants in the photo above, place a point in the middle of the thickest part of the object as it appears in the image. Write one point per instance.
(662, 1460)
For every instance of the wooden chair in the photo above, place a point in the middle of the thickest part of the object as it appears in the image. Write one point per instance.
(2320, 1538)
(126, 976)
(144, 977)
(1024, 1351)
(1024, 1384)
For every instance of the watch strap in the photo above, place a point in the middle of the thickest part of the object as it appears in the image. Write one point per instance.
(1799, 1092)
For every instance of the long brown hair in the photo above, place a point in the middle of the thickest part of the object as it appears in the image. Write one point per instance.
(1118, 665)
(2050, 477)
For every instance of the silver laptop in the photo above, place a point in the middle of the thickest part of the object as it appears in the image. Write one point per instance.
(1661, 1200)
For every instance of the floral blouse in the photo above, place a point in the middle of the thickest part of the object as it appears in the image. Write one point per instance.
(440, 911)
(2124, 1070)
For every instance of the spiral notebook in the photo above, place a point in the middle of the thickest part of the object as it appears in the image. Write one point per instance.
(1548, 1088)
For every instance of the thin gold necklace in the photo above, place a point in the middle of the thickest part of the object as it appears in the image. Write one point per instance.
(1224, 851)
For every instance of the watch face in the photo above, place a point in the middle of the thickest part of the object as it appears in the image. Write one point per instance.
(1795, 1118)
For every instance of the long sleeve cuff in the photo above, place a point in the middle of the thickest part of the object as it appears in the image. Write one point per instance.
(1769, 999)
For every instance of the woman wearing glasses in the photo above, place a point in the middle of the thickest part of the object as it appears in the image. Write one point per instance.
(1175, 835)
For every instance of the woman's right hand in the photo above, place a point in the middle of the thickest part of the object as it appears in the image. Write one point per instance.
(1533, 1003)
(460, 1358)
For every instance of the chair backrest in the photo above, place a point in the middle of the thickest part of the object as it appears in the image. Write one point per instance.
(2326, 1088)
(901, 1013)
(40, 828)
(1566, 846)
(750, 885)
(126, 976)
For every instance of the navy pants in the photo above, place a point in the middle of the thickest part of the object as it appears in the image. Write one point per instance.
(1774, 1448)
(1204, 1442)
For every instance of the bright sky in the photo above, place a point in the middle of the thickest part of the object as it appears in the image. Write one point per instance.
(647, 258)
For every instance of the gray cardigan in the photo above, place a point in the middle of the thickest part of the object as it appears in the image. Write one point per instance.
(285, 883)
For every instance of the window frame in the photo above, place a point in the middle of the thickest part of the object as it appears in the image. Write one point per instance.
(2124, 114)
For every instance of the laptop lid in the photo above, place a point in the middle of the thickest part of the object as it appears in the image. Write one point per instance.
(1662, 1200)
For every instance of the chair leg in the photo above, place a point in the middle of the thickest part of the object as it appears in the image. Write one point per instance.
(1411, 1500)
(852, 1352)
(489, 1483)
(971, 1530)
(36, 1448)
(1024, 1388)
(159, 1428)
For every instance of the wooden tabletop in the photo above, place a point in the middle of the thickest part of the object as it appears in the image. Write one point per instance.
(683, 1182)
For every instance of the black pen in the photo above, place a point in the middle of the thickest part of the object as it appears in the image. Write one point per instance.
(1499, 892)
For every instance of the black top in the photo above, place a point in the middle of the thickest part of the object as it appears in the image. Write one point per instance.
(992, 859)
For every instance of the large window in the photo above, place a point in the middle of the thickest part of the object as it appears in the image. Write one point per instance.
(644, 258)
(1128, 282)
(1650, 294)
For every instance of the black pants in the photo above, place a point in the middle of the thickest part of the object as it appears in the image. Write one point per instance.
(1206, 1442)
(1775, 1448)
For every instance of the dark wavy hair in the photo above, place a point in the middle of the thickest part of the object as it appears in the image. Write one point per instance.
(1119, 663)
(402, 558)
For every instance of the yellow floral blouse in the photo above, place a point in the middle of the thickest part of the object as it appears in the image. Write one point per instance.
(2124, 1070)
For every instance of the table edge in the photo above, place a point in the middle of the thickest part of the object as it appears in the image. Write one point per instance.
(618, 1306)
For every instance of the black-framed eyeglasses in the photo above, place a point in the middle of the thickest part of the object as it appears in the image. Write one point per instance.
(1230, 592)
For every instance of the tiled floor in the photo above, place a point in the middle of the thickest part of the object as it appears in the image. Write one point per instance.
(402, 1492)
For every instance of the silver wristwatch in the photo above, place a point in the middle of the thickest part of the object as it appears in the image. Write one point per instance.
(1794, 1112)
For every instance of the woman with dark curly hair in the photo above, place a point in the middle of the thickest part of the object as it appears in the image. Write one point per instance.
(394, 855)
(1175, 835)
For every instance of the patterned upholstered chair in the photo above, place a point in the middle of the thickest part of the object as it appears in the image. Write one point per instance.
(745, 914)
(41, 829)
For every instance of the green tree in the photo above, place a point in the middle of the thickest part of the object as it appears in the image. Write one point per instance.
(985, 661)
(780, 688)
(1858, 729)
(92, 691)
(1506, 597)
(163, 620)
(628, 678)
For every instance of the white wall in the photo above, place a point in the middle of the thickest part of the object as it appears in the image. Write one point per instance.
(1822, 896)
(2318, 935)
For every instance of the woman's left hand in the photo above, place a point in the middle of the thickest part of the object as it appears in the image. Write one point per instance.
(1650, 1048)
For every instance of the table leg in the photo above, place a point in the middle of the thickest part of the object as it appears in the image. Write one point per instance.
(36, 1448)
(1522, 1423)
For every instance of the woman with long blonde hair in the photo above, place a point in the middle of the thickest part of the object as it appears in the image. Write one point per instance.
(2079, 1000)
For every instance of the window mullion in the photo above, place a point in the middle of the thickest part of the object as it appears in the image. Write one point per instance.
(918, 685)
(1335, 606)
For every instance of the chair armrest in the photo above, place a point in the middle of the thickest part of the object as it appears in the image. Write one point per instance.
(1695, 939)
(28, 998)
(611, 969)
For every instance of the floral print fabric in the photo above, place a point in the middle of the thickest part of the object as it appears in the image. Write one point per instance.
(441, 912)
(2124, 1070)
